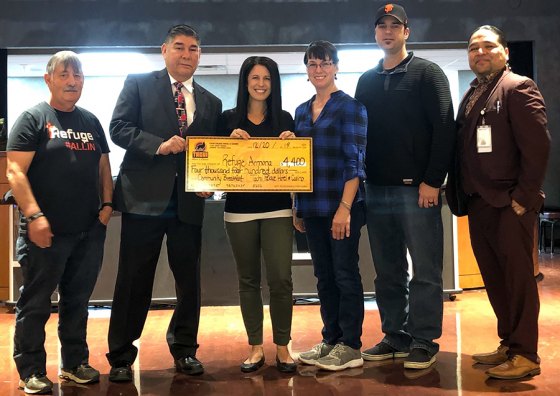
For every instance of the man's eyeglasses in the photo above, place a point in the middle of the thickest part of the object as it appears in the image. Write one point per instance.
(323, 65)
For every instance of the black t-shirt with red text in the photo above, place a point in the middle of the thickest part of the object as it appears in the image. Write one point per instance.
(64, 172)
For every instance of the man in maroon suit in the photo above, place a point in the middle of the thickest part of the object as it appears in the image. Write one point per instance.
(503, 148)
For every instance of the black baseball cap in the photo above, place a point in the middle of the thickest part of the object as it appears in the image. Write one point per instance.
(394, 10)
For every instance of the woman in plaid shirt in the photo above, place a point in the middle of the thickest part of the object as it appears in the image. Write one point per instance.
(334, 213)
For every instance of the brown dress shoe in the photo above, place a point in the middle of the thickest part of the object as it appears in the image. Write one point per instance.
(498, 356)
(515, 368)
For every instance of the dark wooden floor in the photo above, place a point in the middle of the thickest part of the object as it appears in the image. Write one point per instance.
(469, 327)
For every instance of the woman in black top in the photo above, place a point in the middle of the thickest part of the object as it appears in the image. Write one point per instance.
(261, 223)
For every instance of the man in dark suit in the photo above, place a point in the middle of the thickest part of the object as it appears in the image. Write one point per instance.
(503, 147)
(151, 118)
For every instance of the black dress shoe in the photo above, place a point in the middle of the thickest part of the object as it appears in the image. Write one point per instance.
(287, 368)
(120, 373)
(250, 367)
(189, 365)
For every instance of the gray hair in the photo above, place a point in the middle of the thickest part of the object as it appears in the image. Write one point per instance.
(66, 58)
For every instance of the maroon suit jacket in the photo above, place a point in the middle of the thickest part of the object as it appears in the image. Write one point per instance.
(515, 169)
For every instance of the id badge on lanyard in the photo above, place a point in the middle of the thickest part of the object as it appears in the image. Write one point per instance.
(484, 136)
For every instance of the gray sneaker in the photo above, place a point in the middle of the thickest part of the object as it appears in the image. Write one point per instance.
(83, 374)
(318, 351)
(341, 357)
(36, 384)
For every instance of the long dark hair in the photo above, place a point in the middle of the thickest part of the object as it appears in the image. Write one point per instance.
(274, 100)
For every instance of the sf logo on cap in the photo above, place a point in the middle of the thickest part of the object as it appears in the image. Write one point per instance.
(388, 8)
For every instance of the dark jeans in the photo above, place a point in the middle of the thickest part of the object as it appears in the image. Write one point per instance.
(72, 263)
(411, 311)
(273, 239)
(339, 283)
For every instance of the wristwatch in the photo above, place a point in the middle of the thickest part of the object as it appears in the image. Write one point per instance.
(109, 204)
(34, 216)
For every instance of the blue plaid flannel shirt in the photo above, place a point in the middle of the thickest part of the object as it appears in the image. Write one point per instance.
(339, 148)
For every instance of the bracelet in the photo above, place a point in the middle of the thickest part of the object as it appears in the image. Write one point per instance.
(346, 204)
(34, 216)
(109, 204)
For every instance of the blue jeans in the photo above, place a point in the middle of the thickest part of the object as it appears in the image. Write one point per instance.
(411, 311)
(72, 263)
(339, 283)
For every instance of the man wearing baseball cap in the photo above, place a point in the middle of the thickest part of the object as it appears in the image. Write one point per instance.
(411, 136)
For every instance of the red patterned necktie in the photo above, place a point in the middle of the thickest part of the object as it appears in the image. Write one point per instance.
(180, 107)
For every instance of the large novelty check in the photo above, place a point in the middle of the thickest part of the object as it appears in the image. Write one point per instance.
(264, 165)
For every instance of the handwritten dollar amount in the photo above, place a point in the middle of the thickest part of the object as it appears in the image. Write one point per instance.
(293, 161)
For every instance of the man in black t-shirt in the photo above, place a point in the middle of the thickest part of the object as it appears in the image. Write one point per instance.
(59, 172)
